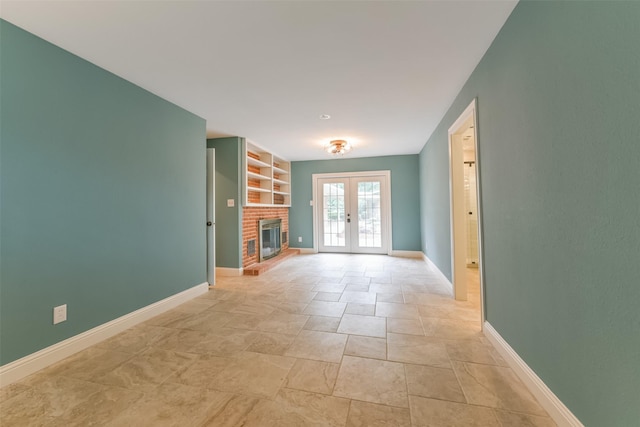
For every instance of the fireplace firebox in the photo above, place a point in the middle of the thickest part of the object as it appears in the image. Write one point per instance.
(270, 235)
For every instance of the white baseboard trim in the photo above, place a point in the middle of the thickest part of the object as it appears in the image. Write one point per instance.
(407, 254)
(435, 268)
(18, 369)
(549, 401)
(305, 250)
(229, 272)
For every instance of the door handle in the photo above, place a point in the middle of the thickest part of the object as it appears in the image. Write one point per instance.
(209, 224)
(348, 217)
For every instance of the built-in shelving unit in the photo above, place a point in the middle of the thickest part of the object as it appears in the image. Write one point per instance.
(267, 178)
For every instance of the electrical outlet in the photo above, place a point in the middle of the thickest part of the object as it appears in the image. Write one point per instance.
(310, 202)
(59, 314)
(299, 239)
(231, 203)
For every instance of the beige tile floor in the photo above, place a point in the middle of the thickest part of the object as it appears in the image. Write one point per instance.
(320, 340)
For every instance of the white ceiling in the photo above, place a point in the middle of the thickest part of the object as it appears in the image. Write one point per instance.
(386, 72)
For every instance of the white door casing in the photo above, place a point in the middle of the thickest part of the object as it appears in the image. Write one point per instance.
(469, 117)
(352, 212)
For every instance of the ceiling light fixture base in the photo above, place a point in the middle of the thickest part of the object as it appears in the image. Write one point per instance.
(338, 147)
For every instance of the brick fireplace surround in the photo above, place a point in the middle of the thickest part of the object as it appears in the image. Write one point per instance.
(250, 218)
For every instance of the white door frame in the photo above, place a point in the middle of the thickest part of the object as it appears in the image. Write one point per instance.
(386, 199)
(456, 188)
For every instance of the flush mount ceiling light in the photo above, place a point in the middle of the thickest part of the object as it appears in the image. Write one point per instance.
(338, 147)
(324, 117)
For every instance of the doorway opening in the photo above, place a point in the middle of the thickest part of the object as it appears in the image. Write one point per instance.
(466, 248)
(352, 212)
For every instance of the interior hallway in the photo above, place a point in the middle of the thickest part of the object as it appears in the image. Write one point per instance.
(320, 340)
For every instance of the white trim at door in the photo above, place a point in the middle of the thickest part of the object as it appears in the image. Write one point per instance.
(456, 188)
(386, 202)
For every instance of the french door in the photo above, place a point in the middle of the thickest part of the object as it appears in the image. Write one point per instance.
(352, 213)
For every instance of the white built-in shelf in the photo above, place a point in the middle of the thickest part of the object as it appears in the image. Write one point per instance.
(255, 162)
(280, 170)
(258, 189)
(266, 178)
(258, 176)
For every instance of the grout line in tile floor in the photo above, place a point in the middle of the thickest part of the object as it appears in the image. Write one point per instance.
(255, 351)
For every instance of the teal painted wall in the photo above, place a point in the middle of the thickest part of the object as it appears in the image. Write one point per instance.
(404, 196)
(103, 195)
(435, 203)
(558, 104)
(228, 186)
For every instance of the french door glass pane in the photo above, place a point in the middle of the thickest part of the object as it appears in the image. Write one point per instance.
(369, 215)
(333, 214)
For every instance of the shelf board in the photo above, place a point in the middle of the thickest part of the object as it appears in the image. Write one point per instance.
(280, 170)
(279, 181)
(258, 189)
(258, 176)
(281, 192)
(256, 162)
